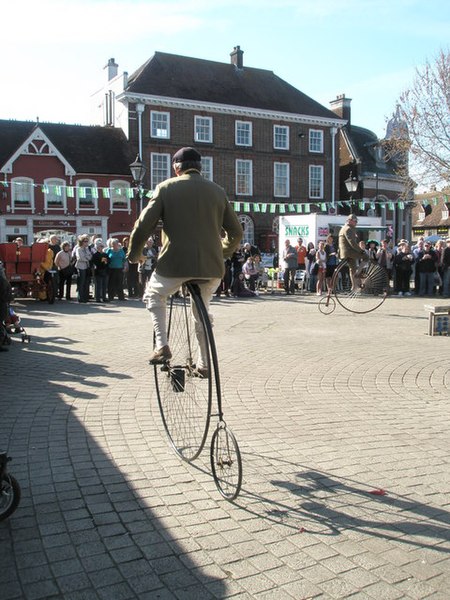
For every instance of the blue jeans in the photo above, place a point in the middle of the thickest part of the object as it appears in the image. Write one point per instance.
(446, 282)
(101, 282)
(426, 284)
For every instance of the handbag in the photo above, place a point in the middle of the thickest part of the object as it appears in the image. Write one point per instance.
(315, 269)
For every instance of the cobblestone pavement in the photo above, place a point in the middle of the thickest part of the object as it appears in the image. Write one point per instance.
(328, 411)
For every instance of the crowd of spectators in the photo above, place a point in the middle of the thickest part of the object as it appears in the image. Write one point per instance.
(422, 270)
(99, 270)
(103, 272)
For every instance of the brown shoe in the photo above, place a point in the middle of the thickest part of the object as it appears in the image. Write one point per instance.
(161, 356)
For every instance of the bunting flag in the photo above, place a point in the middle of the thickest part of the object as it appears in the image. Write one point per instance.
(94, 192)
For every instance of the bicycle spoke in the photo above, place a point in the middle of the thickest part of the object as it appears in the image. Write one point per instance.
(184, 398)
(368, 291)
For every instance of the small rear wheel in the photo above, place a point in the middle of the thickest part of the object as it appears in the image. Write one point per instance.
(327, 305)
(9, 496)
(226, 462)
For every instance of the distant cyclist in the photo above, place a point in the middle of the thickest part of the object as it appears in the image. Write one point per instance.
(349, 248)
(200, 229)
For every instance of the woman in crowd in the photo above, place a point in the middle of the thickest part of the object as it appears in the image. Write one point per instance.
(147, 266)
(250, 273)
(331, 252)
(100, 264)
(131, 273)
(321, 261)
(83, 257)
(64, 264)
(403, 264)
(117, 259)
(310, 267)
(239, 290)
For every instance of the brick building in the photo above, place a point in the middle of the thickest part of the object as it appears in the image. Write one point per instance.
(272, 148)
(65, 179)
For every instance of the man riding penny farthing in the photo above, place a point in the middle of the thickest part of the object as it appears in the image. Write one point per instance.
(200, 230)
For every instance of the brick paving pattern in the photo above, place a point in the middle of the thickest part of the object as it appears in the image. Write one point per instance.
(328, 410)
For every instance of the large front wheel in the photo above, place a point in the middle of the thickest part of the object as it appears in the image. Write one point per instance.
(184, 396)
(366, 291)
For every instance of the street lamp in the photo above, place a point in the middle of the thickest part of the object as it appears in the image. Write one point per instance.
(351, 184)
(138, 170)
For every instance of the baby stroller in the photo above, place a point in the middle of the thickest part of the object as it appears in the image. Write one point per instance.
(13, 325)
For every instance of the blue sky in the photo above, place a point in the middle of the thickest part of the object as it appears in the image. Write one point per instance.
(53, 51)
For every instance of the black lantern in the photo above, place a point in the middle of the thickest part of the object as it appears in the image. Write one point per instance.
(138, 170)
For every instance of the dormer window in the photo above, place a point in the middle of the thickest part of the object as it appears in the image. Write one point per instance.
(445, 210)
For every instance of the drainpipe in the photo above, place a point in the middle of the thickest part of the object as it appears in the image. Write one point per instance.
(140, 109)
(333, 131)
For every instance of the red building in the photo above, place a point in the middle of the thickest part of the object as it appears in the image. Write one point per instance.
(64, 179)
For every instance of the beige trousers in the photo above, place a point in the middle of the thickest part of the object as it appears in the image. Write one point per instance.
(157, 291)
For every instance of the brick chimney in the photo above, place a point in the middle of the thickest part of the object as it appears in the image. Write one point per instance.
(112, 67)
(237, 57)
(341, 107)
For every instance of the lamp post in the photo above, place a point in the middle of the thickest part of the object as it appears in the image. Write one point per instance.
(138, 170)
(351, 184)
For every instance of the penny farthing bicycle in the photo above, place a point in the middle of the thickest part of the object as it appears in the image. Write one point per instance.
(370, 289)
(185, 397)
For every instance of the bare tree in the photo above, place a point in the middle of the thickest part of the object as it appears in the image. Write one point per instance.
(424, 126)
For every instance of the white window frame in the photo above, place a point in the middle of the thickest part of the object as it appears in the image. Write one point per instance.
(16, 186)
(316, 141)
(203, 132)
(51, 183)
(246, 131)
(246, 165)
(248, 229)
(157, 132)
(278, 179)
(277, 134)
(119, 202)
(312, 179)
(207, 168)
(155, 178)
(87, 184)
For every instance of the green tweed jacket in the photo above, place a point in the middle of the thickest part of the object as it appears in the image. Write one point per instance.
(195, 214)
(348, 243)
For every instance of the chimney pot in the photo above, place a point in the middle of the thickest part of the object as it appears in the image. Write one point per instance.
(237, 57)
(341, 107)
